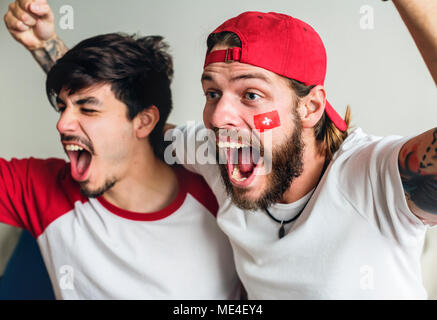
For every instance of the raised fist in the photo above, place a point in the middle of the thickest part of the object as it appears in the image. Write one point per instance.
(30, 22)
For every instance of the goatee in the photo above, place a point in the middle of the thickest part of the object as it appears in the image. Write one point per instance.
(97, 192)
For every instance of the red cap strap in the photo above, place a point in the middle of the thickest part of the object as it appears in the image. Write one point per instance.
(335, 117)
(226, 55)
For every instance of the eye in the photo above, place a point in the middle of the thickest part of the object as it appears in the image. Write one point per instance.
(85, 110)
(252, 96)
(211, 95)
(60, 109)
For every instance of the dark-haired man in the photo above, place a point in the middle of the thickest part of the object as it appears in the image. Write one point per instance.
(115, 222)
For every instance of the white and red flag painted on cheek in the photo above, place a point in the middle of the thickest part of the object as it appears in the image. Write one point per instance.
(266, 121)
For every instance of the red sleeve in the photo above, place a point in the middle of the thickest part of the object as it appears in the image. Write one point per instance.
(198, 188)
(34, 192)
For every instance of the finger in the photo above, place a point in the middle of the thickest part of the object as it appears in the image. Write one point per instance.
(41, 10)
(36, 8)
(24, 4)
(22, 15)
(14, 24)
(16, 34)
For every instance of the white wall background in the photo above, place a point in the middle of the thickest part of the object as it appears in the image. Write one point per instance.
(378, 72)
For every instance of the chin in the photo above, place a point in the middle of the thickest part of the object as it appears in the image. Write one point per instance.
(246, 197)
(90, 191)
(254, 191)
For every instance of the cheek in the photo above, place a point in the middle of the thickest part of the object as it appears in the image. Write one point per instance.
(113, 138)
(284, 131)
(266, 121)
(122, 138)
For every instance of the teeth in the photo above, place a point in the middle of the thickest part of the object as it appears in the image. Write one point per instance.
(73, 147)
(233, 145)
(235, 175)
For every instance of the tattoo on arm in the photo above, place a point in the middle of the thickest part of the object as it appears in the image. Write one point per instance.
(418, 169)
(50, 53)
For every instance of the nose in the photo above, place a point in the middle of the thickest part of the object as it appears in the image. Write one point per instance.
(68, 121)
(223, 114)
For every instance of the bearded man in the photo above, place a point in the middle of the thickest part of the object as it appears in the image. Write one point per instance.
(338, 213)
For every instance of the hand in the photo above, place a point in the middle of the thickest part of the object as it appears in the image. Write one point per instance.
(30, 22)
(168, 126)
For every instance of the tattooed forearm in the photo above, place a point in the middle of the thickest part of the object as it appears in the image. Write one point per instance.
(50, 53)
(418, 169)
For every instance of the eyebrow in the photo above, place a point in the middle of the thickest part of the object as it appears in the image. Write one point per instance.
(88, 100)
(256, 75)
(251, 76)
(206, 77)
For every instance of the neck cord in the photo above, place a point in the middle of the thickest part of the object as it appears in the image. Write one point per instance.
(281, 232)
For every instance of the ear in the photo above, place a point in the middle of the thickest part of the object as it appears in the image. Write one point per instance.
(312, 106)
(145, 121)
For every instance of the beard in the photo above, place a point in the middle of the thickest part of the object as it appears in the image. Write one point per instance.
(89, 193)
(286, 166)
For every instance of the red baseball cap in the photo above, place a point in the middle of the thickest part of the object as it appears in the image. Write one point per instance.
(281, 44)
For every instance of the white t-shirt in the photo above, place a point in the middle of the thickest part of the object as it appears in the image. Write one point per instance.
(94, 250)
(356, 238)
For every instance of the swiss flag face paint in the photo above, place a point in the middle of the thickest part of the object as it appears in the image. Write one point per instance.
(266, 121)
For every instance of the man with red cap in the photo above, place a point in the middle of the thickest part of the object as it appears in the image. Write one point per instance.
(341, 214)
(320, 211)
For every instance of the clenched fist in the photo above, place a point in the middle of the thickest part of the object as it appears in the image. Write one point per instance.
(30, 22)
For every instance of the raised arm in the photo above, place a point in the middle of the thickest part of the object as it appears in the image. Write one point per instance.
(418, 157)
(31, 23)
(420, 17)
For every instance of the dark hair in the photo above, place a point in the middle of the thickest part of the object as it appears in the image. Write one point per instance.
(328, 136)
(139, 70)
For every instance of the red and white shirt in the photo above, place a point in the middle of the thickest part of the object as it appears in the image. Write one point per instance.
(94, 250)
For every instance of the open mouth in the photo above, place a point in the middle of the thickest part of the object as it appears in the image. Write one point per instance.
(243, 161)
(80, 159)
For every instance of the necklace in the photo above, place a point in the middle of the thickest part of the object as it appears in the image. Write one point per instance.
(281, 232)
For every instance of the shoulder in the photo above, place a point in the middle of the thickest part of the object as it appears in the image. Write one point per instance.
(31, 165)
(32, 171)
(364, 149)
(40, 190)
(47, 175)
(365, 158)
(365, 172)
(197, 187)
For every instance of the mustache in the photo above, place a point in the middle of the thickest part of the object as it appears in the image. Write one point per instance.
(86, 143)
(244, 136)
